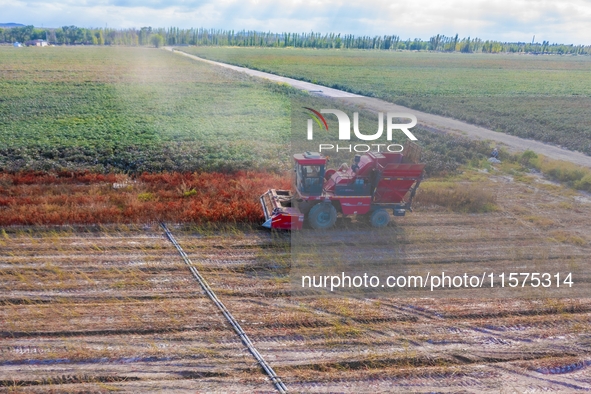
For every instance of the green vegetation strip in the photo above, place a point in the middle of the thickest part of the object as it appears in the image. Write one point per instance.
(134, 110)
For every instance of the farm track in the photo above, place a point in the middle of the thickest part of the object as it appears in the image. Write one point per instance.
(427, 120)
(113, 309)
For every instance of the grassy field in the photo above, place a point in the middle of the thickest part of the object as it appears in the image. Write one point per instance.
(546, 98)
(134, 109)
(139, 109)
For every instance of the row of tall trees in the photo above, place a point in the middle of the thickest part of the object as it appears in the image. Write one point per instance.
(72, 35)
(455, 44)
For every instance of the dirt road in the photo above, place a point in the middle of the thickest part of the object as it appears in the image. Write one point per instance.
(512, 143)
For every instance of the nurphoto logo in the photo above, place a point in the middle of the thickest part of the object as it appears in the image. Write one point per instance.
(345, 130)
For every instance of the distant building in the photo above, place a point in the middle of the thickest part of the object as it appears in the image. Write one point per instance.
(17, 45)
(36, 43)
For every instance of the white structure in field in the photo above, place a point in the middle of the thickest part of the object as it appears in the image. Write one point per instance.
(36, 43)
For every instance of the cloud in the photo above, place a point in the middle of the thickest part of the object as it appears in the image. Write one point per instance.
(506, 20)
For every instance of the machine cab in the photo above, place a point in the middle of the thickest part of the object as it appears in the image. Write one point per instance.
(309, 169)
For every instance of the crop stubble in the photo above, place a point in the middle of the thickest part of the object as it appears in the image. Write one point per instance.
(117, 309)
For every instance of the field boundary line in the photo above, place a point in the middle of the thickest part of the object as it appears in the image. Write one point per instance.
(233, 322)
(430, 121)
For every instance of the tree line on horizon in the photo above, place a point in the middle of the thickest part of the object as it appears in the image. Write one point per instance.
(148, 36)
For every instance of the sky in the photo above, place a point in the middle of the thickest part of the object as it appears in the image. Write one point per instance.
(504, 20)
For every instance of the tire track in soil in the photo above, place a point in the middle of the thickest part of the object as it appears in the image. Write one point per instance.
(544, 381)
(555, 352)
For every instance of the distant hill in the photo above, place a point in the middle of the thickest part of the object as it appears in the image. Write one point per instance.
(11, 25)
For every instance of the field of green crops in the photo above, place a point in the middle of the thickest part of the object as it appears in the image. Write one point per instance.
(134, 109)
(546, 98)
(141, 109)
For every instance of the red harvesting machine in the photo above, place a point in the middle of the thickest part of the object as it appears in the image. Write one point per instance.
(372, 185)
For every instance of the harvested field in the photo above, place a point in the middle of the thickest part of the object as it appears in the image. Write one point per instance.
(116, 308)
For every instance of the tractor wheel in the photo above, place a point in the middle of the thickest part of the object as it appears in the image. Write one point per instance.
(322, 216)
(379, 218)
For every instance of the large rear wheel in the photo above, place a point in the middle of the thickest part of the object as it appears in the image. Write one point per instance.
(379, 218)
(322, 216)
